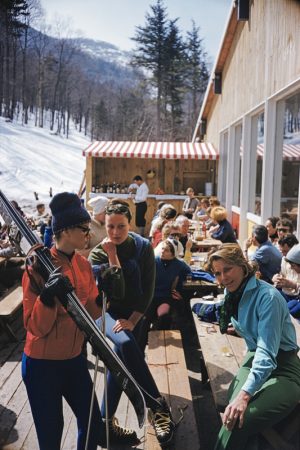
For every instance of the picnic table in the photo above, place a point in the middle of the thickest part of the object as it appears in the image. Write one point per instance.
(206, 244)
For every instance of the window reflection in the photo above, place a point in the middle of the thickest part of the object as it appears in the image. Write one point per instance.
(259, 161)
(291, 158)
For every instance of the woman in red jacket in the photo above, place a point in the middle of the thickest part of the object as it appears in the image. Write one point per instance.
(53, 366)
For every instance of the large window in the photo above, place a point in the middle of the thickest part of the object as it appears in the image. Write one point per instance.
(291, 158)
(259, 161)
(238, 163)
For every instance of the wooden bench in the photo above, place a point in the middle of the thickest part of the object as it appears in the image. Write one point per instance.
(222, 356)
(9, 305)
(167, 365)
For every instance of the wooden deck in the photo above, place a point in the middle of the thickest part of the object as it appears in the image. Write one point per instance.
(17, 430)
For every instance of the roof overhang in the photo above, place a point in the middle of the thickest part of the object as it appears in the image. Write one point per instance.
(224, 50)
(151, 150)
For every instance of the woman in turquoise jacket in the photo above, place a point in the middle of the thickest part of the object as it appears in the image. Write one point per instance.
(267, 387)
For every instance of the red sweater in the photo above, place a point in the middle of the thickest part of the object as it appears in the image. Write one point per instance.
(51, 333)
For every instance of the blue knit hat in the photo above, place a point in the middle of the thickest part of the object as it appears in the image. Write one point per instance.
(67, 211)
(293, 255)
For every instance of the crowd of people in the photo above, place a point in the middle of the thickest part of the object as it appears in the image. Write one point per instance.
(261, 278)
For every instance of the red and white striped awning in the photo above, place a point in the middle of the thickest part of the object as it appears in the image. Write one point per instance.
(151, 150)
(290, 152)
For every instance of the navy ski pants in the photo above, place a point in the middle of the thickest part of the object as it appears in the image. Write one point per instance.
(129, 352)
(47, 382)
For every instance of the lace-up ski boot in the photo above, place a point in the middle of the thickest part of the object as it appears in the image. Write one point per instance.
(121, 436)
(162, 422)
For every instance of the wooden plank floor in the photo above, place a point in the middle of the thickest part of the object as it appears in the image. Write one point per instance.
(17, 430)
(16, 424)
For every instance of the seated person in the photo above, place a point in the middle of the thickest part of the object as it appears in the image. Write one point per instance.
(172, 231)
(267, 386)
(286, 281)
(184, 226)
(293, 258)
(223, 231)
(170, 274)
(284, 226)
(266, 255)
(190, 204)
(271, 227)
(134, 257)
(168, 212)
(200, 212)
(98, 232)
(166, 215)
(159, 206)
(214, 201)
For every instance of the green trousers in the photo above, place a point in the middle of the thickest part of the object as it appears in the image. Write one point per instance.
(278, 396)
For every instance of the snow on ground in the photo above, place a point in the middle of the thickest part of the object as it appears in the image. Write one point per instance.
(35, 159)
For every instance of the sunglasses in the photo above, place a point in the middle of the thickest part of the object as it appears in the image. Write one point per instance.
(283, 229)
(175, 235)
(85, 230)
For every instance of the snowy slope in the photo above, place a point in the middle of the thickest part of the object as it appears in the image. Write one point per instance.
(33, 159)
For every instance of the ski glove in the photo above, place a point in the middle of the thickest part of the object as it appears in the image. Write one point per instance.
(57, 285)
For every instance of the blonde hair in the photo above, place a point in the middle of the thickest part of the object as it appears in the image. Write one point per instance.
(231, 254)
(166, 230)
(214, 201)
(218, 213)
(189, 190)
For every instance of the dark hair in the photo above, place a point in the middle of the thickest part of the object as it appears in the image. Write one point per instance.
(160, 205)
(170, 246)
(260, 233)
(138, 178)
(206, 201)
(273, 220)
(290, 240)
(168, 213)
(283, 222)
(118, 206)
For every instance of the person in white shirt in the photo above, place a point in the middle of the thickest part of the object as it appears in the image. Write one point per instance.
(140, 201)
(97, 228)
(288, 280)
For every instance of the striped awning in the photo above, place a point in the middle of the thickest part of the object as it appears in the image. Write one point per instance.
(151, 150)
(290, 152)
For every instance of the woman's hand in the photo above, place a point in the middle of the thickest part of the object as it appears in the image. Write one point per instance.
(123, 324)
(281, 282)
(235, 411)
(189, 243)
(108, 246)
(176, 295)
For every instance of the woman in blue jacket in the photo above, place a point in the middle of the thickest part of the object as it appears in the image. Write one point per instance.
(223, 231)
(267, 387)
(170, 274)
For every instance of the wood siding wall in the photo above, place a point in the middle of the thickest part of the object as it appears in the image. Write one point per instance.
(263, 59)
(172, 176)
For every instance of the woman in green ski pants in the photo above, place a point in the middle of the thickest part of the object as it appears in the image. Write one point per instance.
(267, 386)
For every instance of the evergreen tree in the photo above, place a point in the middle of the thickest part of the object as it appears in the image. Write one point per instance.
(151, 52)
(12, 24)
(174, 79)
(198, 73)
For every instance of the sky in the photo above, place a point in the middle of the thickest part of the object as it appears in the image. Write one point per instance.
(114, 21)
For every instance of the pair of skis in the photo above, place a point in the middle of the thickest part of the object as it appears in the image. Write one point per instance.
(81, 317)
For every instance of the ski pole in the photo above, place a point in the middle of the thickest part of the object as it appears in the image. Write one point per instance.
(104, 306)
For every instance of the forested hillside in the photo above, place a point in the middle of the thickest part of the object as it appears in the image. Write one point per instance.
(155, 93)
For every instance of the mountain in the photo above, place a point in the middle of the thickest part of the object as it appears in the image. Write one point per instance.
(105, 62)
(105, 51)
(100, 60)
